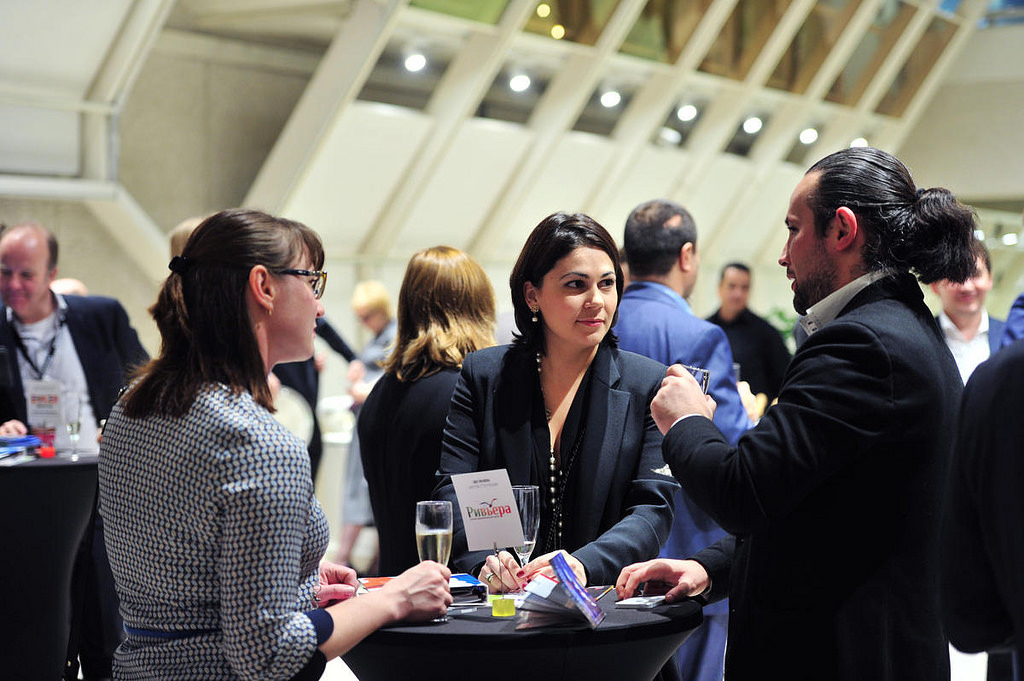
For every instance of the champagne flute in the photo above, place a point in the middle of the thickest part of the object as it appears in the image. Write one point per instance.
(73, 419)
(434, 530)
(528, 501)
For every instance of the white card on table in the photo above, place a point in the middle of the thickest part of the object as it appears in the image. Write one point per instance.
(488, 509)
(44, 409)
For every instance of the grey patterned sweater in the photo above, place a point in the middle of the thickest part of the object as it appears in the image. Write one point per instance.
(214, 536)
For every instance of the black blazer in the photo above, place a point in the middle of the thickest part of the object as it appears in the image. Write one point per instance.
(107, 347)
(835, 497)
(400, 427)
(624, 509)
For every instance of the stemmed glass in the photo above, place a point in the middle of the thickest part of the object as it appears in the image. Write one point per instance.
(434, 530)
(73, 418)
(528, 501)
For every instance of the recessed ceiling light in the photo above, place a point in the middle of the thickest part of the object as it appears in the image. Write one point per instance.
(670, 136)
(1010, 239)
(415, 62)
(543, 10)
(979, 234)
(610, 99)
(686, 113)
(519, 82)
(752, 125)
(558, 31)
(808, 136)
(859, 142)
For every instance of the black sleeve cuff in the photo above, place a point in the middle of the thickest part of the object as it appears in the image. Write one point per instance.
(323, 623)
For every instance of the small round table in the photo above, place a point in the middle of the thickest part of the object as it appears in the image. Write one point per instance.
(627, 645)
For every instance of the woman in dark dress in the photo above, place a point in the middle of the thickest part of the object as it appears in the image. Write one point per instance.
(564, 409)
(445, 311)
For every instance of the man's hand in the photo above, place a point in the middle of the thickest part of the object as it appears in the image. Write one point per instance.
(674, 578)
(679, 396)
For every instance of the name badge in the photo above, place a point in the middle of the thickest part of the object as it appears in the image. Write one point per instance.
(44, 409)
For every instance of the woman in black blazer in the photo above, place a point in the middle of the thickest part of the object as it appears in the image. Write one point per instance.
(564, 409)
(445, 311)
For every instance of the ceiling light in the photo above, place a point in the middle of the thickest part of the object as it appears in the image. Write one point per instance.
(543, 10)
(808, 136)
(686, 113)
(610, 99)
(415, 62)
(670, 136)
(752, 125)
(979, 234)
(1010, 239)
(859, 142)
(558, 31)
(519, 82)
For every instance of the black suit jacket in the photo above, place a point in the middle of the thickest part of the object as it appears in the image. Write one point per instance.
(834, 499)
(400, 427)
(624, 509)
(983, 541)
(106, 344)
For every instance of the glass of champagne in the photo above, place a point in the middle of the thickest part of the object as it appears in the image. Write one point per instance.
(528, 501)
(73, 419)
(434, 530)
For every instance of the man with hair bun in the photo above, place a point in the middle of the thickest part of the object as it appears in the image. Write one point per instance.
(834, 498)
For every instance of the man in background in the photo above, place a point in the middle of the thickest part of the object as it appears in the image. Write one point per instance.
(52, 346)
(656, 321)
(756, 345)
(971, 334)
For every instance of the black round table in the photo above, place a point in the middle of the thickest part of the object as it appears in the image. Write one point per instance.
(45, 506)
(627, 645)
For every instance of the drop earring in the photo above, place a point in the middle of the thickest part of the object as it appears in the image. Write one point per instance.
(534, 319)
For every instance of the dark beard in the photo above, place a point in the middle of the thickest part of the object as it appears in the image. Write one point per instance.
(814, 287)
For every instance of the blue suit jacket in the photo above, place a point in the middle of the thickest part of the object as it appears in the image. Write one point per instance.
(107, 347)
(657, 322)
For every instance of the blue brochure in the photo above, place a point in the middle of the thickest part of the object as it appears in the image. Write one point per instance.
(583, 601)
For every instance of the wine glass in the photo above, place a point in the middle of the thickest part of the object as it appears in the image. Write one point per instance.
(434, 530)
(528, 501)
(73, 419)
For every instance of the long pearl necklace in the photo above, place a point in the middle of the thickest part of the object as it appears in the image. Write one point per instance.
(555, 474)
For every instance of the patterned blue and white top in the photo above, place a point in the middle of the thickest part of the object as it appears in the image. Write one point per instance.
(213, 534)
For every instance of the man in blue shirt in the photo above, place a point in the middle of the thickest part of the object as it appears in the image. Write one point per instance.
(656, 321)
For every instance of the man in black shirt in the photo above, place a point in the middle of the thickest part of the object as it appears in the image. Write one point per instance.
(756, 345)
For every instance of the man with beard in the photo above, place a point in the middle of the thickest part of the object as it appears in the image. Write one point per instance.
(834, 497)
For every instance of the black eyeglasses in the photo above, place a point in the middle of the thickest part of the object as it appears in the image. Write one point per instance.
(318, 279)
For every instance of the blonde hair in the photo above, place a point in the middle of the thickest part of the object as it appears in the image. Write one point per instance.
(180, 234)
(372, 296)
(445, 312)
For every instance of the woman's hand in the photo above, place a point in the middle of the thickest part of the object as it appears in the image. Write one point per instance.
(542, 566)
(502, 573)
(337, 583)
(13, 427)
(674, 578)
(421, 592)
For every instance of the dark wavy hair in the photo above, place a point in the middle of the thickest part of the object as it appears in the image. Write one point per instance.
(555, 237)
(924, 230)
(203, 315)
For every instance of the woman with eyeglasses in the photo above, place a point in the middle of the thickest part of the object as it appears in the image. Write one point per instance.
(213, 532)
(563, 408)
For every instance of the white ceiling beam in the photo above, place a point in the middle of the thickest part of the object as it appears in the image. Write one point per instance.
(972, 10)
(341, 73)
(236, 52)
(456, 97)
(779, 134)
(555, 113)
(718, 123)
(133, 229)
(647, 111)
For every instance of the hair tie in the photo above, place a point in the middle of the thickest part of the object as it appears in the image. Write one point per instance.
(180, 264)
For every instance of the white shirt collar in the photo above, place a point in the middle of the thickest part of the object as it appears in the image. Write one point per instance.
(950, 330)
(829, 307)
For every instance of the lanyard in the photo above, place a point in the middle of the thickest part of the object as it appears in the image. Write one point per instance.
(40, 372)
